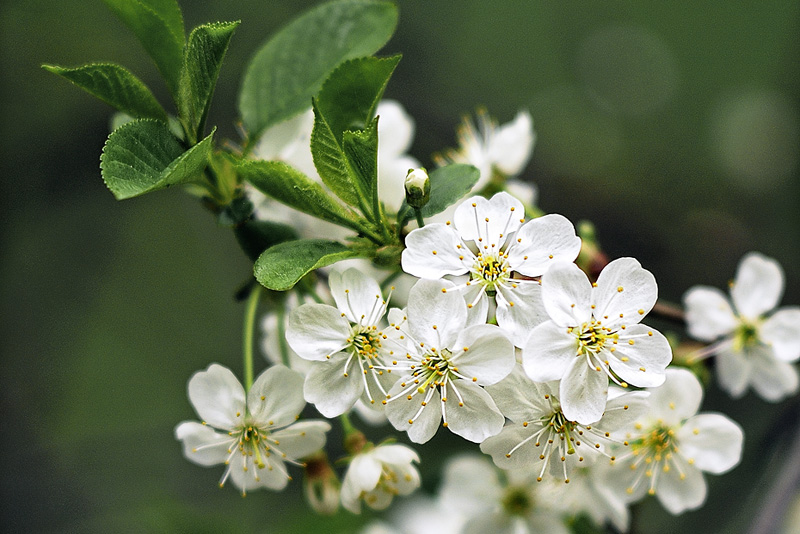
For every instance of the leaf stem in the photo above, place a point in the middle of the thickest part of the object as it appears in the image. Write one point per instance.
(418, 214)
(282, 344)
(247, 337)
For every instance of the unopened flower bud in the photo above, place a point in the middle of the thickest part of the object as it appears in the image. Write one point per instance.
(321, 485)
(418, 188)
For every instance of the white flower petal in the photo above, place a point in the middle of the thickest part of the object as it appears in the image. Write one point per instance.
(407, 479)
(678, 494)
(548, 353)
(357, 296)
(733, 371)
(218, 397)
(512, 143)
(246, 475)
(395, 128)
(523, 190)
(395, 454)
(477, 304)
(678, 398)
(541, 242)
(623, 410)
(470, 485)
(771, 378)
(625, 292)
(758, 286)
(302, 438)
(521, 399)
(566, 292)
(400, 410)
(276, 397)
(316, 331)
(708, 313)
(584, 391)
(202, 444)
(489, 222)
(470, 412)
(640, 356)
(496, 523)
(712, 442)
(436, 313)
(520, 309)
(329, 390)
(433, 252)
(782, 332)
(524, 457)
(490, 356)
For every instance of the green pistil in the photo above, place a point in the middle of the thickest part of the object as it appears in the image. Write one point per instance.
(658, 443)
(366, 343)
(517, 501)
(746, 336)
(490, 271)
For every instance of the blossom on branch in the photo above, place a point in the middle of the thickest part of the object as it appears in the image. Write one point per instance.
(594, 333)
(253, 434)
(754, 345)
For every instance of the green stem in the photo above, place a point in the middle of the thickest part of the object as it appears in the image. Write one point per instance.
(418, 213)
(347, 425)
(282, 344)
(247, 338)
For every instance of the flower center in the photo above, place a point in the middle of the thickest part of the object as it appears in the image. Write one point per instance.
(517, 501)
(435, 369)
(490, 271)
(658, 443)
(365, 341)
(252, 441)
(592, 337)
(746, 335)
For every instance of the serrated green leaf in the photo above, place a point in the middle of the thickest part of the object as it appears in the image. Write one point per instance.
(257, 236)
(295, 189)
(361, 150)
(350, 95)
(143, 156)
(331, 163)
(347, 102)
(290, 68)
(280, 267)
(202, 62)
(158, 24)
(448, 185)
(115, 86)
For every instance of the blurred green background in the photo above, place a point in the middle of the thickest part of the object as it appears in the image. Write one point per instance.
(673, 126)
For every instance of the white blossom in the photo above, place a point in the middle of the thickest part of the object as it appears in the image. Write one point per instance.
(754, 344)
(378, 474)
(443, 363)
(594, 333)
(539, 435)
(489, 242)
(672, 445)
(344, 343)
(493, 148)
(253, 434)
(510, 504)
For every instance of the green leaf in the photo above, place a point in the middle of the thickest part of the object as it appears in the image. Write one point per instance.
(115, 86)
(448, 185)
(350, 95)
(202, 62)
(295, 189)
(143, 156)
(158, 24)
(331, 163)
(291, 67)
(280, 267)
(361, 151)
(347, 102)
(256, 236)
